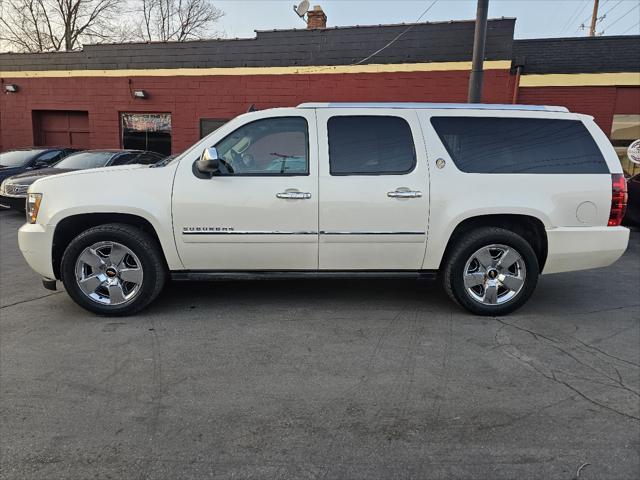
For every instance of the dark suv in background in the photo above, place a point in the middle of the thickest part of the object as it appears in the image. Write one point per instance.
(13, 190)
(13, 162)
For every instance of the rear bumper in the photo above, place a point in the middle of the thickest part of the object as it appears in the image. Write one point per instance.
(581, 248)
(36, 242)
(17, 203)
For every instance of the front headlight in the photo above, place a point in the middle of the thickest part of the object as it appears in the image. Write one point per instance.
(33, 205)
(3, 187)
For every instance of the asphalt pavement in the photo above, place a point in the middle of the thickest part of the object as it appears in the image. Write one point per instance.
(321, 379)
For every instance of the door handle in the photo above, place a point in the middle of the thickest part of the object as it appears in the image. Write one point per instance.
(404, 194)
(294, 195)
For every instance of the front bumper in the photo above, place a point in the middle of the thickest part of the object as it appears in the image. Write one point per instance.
(36, 244)
(581, 248)
(17, 203)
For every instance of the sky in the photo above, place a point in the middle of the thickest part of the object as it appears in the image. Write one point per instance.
(535, 18)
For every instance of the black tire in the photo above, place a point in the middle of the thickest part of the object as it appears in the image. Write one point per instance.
(464, 248)
(140, 243)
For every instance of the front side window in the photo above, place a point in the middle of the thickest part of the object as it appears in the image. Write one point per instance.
(519, 145)
(272, 146)
(370, 145)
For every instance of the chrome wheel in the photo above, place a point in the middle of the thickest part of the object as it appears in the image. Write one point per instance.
(109, 273)
(494, 274)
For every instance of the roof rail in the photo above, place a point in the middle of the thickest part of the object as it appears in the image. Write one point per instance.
(438, 106)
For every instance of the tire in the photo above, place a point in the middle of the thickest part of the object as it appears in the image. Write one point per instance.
(114, 269)
(496, 288)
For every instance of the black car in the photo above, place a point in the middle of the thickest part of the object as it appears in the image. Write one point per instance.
(13, 162)
(632, 217)
(13, 190)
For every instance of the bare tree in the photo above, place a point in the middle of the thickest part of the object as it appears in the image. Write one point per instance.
(177, 20)
(53, 25)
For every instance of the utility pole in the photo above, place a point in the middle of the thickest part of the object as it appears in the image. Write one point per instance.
(475, 80)
(594, 18)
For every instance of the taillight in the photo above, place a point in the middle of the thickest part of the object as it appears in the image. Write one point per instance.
(618, 199)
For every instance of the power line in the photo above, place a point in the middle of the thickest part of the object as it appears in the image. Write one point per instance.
(401, 34)
(587, 18)
(609, 11)
(574, 15)
(631, 28)
(599, 19)
(622, 16)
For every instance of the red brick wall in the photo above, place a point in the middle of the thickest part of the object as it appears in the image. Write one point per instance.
(190, 98)
(596, 101)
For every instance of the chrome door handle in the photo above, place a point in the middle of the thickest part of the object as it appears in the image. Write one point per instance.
(294, 195)
(404, 194)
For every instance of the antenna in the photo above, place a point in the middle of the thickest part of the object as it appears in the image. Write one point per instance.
(302, 8)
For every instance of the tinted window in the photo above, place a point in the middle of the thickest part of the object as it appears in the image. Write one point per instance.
(17, 158)
(370, 146)
(50, 157)
(148, 158)
(124, 159)
(519, 145)
(273, 146)
(85, 160)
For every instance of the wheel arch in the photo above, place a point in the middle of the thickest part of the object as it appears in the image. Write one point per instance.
(531, 228)
(70, 227)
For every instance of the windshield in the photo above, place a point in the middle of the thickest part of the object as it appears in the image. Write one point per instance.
(84, 160)
(17, 158)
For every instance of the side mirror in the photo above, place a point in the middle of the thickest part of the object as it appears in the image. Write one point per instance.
(40, 165)
(209, 163)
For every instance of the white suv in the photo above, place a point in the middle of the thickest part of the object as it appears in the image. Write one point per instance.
(486, 197)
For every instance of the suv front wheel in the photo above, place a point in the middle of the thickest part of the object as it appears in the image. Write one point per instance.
(113, 269)
(491, 271)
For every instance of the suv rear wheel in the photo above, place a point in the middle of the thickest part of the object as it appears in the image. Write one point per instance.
(113, 269)
(491, 271)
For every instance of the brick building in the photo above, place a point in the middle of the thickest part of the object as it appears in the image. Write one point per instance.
(165, 96)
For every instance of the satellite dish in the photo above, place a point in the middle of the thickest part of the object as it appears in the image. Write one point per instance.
(302, 8)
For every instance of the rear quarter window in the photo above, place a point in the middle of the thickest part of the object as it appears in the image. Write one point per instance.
(519, 145)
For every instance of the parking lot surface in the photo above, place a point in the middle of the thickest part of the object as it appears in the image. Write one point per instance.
(321, 379)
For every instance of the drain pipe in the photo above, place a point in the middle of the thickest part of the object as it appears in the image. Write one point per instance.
(516, 86)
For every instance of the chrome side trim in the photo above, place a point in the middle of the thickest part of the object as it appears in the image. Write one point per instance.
(370, 233)
(280, 232)
(248, 232)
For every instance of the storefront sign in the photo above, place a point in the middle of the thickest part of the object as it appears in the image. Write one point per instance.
(147, 122)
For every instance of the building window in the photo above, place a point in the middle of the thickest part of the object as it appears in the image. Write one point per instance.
(147, 131)
(208, 125)
(624, 131)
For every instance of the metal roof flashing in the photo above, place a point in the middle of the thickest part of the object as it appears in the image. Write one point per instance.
(440, 106)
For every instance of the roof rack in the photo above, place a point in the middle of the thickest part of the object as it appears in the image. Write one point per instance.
(438, 106)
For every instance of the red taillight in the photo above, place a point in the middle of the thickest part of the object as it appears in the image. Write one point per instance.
(618, 199)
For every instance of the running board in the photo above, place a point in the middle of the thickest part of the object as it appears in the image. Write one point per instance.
(208, 275)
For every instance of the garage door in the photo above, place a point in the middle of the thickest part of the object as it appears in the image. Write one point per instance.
(63, 128)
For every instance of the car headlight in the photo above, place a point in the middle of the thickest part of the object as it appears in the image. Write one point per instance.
(33, 206)
(3, 187)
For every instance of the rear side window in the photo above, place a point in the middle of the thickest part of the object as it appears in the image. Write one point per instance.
(519, 145)
(370, 145)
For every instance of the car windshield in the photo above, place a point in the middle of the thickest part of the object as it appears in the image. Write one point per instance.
(18, 158)
(84, 160)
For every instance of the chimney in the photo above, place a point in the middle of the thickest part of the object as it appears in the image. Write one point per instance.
(316, 18)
